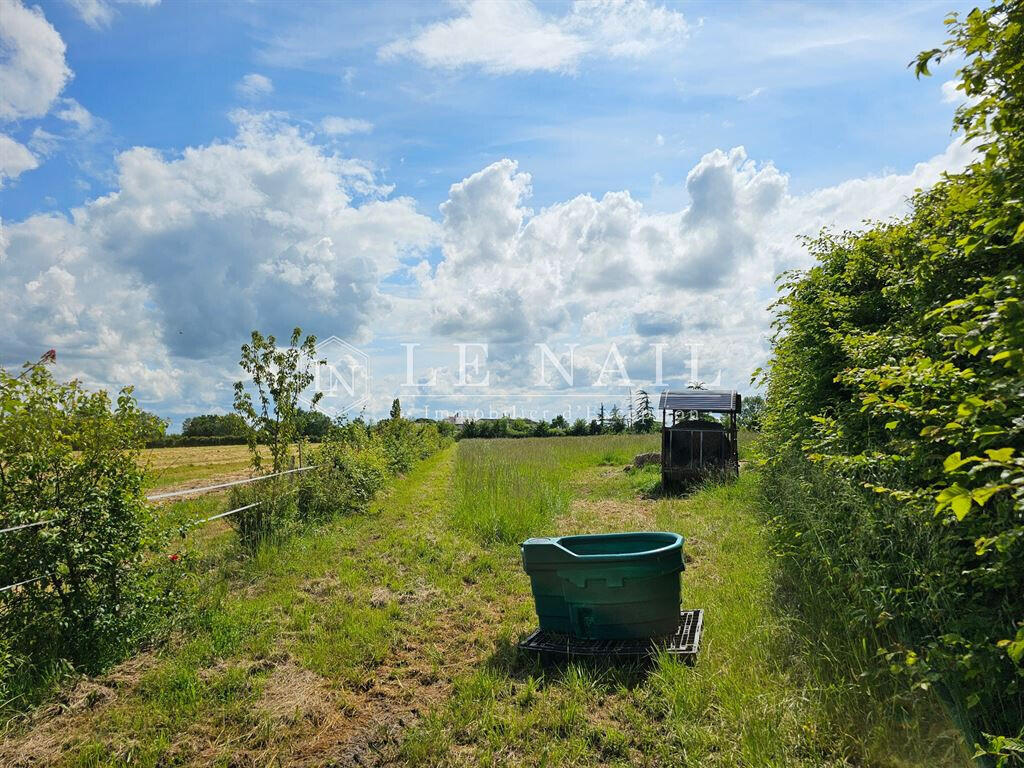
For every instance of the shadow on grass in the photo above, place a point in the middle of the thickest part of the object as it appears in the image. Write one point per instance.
(607, 674)
(647, 482)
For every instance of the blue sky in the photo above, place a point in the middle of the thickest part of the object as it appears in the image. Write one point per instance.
(357, 123)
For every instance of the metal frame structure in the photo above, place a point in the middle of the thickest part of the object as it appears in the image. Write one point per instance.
(682, 644)
(692, 447)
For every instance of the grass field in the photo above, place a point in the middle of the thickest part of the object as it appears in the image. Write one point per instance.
(169, 467)
(389, 638)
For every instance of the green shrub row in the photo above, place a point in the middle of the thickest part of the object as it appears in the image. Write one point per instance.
(184, 441)
(352, 464)
(894, 430)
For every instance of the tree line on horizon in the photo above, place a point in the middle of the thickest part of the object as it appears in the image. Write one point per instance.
(639, 418)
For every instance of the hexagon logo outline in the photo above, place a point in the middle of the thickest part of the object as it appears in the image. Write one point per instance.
(344, 380)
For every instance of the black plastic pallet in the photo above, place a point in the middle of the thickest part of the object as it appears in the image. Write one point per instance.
(683, 643)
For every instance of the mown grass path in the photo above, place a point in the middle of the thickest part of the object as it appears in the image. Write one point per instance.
(389, 638)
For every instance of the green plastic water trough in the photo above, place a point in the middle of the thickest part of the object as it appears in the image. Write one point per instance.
(606, 586)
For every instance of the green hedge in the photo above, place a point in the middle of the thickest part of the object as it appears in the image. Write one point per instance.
(894, 428)
(354, 463)
(183, 441)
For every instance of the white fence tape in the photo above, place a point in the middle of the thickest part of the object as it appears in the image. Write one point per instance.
(173, 494)
(26, 581)
(150, 498)
(189, 491)
(26, 525)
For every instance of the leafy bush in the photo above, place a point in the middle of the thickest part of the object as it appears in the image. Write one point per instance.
(68, 456)
(395, 438)
(345, 480)
(272, 510)
(354, 462)
(895, 384)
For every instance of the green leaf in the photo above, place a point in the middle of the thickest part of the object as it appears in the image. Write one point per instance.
(1014, 649)
(999, 454)
(891, 424)
(957, 497)
(982, 495)
(961, 506)
(954, 461)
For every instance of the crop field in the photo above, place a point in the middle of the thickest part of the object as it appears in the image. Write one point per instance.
(389, 637)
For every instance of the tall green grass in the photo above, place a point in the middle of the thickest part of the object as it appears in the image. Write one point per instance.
(508, 490)
(503, 494)
(862, 583)
(762, 693)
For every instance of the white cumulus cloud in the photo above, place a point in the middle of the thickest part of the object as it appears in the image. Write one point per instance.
(99, 13)
(15, 159)
(74, 113)
(191, 252)
(515, 36)
(33, 71)
(589, 266)
(626, 28)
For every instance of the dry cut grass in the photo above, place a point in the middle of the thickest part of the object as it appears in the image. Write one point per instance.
(189, 467)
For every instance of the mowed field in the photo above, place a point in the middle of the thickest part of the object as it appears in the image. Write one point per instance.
(173, 467)
(389, 639)
(168, 467)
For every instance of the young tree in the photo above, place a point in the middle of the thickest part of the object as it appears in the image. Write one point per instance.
(617, 423)
(314, 424)
(279, 376)
(644, 412)
(151, 426)
(753, 410)
(396, 409)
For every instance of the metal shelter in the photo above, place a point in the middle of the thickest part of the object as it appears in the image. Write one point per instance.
(692, 445)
